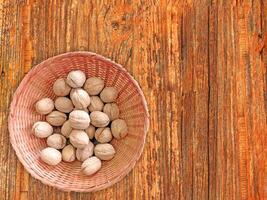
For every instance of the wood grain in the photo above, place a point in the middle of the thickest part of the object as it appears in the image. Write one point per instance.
(202, 67)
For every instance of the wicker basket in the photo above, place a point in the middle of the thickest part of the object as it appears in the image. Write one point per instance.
(38, 84)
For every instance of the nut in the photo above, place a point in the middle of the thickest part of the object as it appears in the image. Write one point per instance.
(94, 85)
(61, 88)
(96, 104)
(42, 129)
(56, 141)
(112, 110)
(119, 128)
(66, 129)
(63, 104)
(68, 153)
(51, 156)
(103, 135)
(85, 109)
(79, 119)
(44, 106)
(79, 139)
(80, 98)
(86, 152)
(56, 118)
(90, 131)
(109, 94)
(99, 119)
(76, 78)
(91, 165)
(104, 151)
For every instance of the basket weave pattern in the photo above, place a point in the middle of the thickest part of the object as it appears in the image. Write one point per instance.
(38, 84)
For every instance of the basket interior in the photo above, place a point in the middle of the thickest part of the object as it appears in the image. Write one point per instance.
(38, 84)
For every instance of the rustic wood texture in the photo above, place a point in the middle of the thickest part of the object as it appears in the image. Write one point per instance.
(202, 67)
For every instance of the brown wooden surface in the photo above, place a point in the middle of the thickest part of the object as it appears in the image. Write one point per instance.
(202, 67)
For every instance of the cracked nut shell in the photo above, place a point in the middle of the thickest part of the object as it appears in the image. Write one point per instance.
(103, 135)
(76, 78)
(56, 118)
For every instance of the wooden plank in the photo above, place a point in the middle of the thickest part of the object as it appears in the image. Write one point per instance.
(226, 161)
(202, 67)
(213, 99)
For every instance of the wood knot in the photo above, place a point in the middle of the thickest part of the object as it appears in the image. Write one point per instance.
(115, 25)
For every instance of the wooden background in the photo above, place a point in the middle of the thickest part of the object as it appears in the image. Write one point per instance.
(202, 67)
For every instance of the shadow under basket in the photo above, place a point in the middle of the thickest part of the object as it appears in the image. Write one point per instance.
(38, 84)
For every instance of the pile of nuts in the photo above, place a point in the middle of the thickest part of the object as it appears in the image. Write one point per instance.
(88, 117)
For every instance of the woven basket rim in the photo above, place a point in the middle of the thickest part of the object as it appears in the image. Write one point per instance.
(19, 89)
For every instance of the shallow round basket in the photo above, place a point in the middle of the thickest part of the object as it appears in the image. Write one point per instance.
(38, 83)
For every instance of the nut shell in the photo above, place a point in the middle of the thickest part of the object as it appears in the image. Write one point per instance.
(56, 118)
(56, 141)
(44, 106)
(104, 151)
(90, 131)
(103, 135)
(85, 109)
(94, 85)
(86, 152)
(66, 129)
(76, 79)
(51, 156)
(99, 119)
(91, 165)
(80, 98)
(79, 139)
(61, 88)
(68, 153)
(109, 94)
(42, 129)
(79, 119)
(112, 110)
(119, 128)
(63, 104)
(96, 104)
